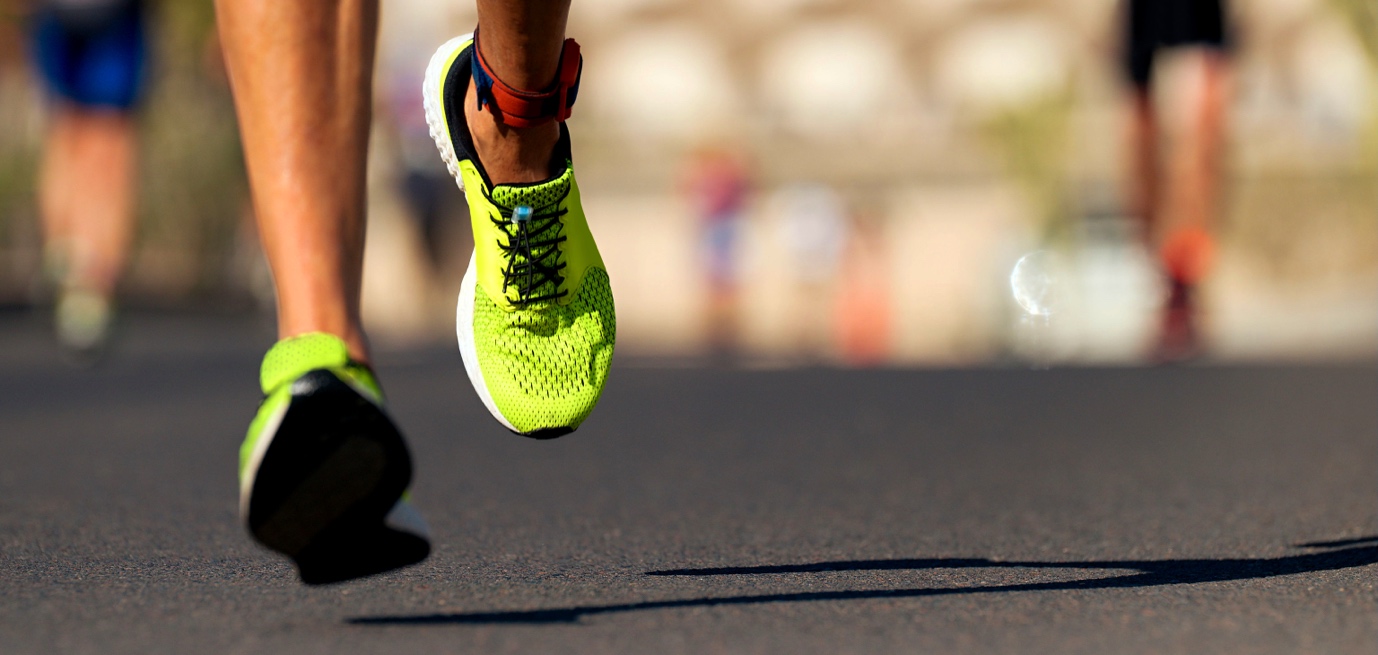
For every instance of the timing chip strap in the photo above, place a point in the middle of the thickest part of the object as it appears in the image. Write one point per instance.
(519, 108)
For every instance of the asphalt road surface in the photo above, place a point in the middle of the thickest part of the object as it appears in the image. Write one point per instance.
(1199, 509)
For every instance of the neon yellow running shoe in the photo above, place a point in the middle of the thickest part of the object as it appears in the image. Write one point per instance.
(323, 473)
(535, 320)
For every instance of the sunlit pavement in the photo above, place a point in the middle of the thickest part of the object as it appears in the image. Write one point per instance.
(1193, 509)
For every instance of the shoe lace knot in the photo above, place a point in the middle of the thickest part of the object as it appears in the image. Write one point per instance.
(533, 254)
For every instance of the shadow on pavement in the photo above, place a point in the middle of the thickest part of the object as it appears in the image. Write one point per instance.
(1339, 543)
(1150, 573)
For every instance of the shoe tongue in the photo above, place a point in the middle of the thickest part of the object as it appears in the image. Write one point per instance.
(540, 194)
(290, 358)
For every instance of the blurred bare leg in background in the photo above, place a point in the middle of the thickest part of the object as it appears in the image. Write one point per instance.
(86, 195)
(1187, 193)
(86, 198)
(1194, 175)
(302, 74)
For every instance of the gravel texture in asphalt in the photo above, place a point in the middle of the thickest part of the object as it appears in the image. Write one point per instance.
(1194, 509)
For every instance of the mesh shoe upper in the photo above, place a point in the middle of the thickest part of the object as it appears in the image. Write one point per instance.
(544, 362)
(545, 365)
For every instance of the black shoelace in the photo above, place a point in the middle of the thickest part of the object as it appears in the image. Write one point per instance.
(532, 251)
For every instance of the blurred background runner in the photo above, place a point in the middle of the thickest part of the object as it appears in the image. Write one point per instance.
(716, 187)
(91, 56)
(1176, 194)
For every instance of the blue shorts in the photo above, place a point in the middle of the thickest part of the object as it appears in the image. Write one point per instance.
(98, 64)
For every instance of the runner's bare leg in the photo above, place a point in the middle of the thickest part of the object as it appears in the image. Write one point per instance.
(1195, 174)
(521, 40)
(302, 78)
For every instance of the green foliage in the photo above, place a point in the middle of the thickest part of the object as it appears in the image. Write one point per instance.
(1362, 16)
(192, 188)
(1033, 143)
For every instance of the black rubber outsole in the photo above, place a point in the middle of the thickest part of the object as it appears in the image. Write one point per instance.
(546, 434)
(335, 468)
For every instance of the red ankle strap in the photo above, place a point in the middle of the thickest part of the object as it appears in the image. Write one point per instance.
(519, 108)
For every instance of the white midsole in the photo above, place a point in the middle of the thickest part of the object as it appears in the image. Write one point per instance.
(246, 485)
(468, 351)
(404, 518)
(434, 103)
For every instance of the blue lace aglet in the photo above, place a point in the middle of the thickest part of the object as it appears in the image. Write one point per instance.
(521, 214)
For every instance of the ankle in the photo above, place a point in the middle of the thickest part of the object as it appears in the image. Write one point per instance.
(510, 155)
